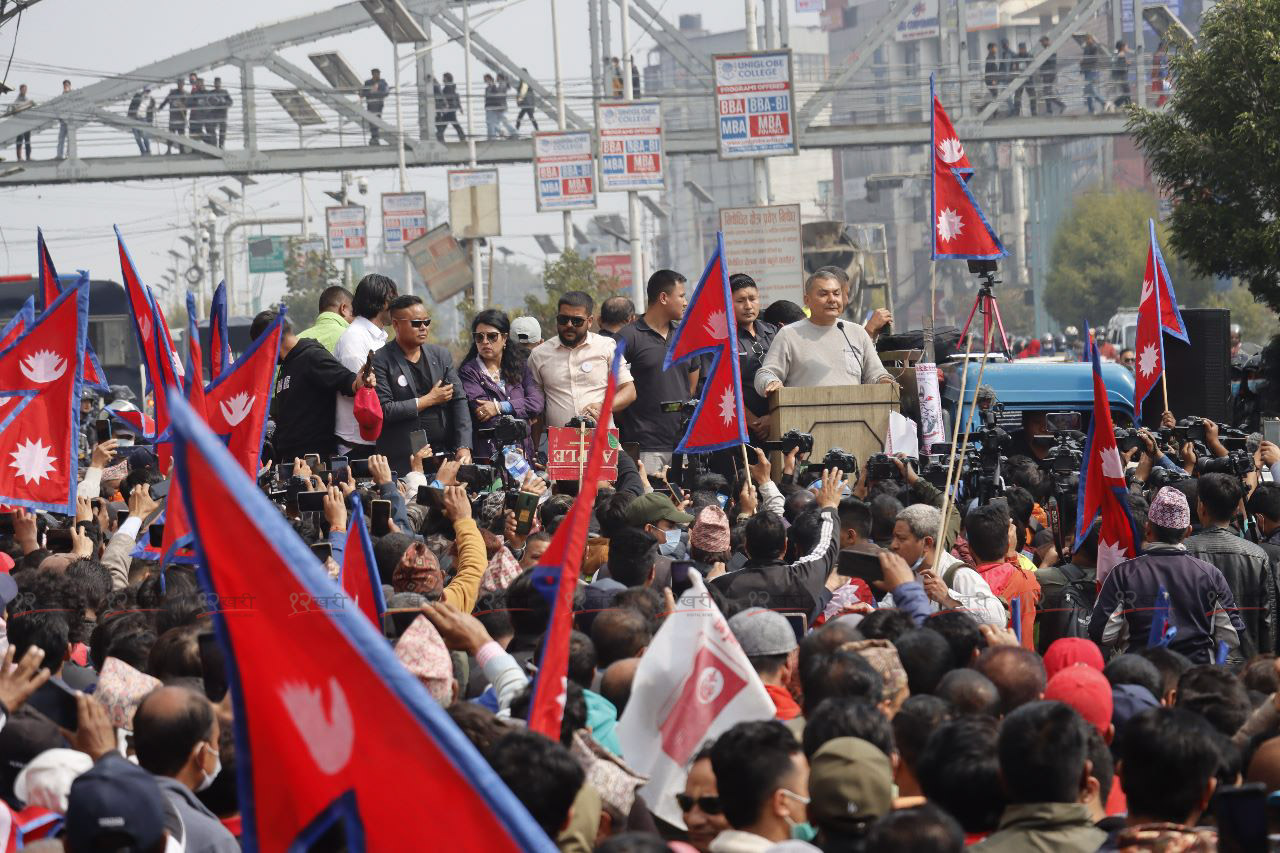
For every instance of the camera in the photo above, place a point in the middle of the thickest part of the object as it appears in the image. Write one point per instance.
(581, 422)
(683, 407)
(505, 429)
(880, 467)
(1161, 477)
(1237, 462)
(1128, 439)
(791, 439)
(935, 472)
(837, 458)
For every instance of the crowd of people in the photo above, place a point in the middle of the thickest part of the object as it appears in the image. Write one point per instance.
(1106, 78)
(938, 679)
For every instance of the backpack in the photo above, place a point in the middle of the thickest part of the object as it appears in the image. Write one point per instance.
(1078, 596)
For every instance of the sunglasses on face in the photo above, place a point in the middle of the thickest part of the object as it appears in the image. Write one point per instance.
(485, 337)
(566, 320)
(710, 805)
(417, 324)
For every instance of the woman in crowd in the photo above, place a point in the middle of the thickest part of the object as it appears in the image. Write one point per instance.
(497, 382)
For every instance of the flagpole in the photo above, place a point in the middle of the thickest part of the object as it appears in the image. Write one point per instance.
(582, 449)
(955, 437)
(1164, 385)
(746, 470)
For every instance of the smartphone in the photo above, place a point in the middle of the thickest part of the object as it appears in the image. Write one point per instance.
(313, 461)
(360, 469)
(6, 524)
(632, 449)
(322, 550)
(432, 464)
(311, 501)
(431, 496)
(526, 505)
(58, 540)
(155, 535)
(160, 490)
(58, 703)
(338, 469)
(862, 561)
(380, 518)
(284, 471)
(102, 430)
(213, 667)
(417, 441)
(1242, 818)
(799, 624)
(1271, 430)
(680, 582)
(122, 515)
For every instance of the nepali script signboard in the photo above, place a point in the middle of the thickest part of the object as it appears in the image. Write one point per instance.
(631, 146)
(764, 243)
(564, 170)
(754, 105)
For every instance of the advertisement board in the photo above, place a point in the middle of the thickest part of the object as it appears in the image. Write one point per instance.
(755, 110)
(474, 207)
(347, 231)
(266, 254)
(631, 146)
(764, 243)
(614, 266)
(564, 170)
(441, 262)
(404, 218)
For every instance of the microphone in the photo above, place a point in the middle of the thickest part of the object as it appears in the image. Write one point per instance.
(852, 348)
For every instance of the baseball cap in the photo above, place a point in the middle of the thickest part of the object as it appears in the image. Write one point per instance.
(655, 507)
(1085, 689)
(368, 412)
(1065, 651)
(115, 805)
(48, 777)
(526, 330)
(762, 632)
(850, 783)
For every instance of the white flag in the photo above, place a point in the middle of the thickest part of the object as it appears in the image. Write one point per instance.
(693, 682)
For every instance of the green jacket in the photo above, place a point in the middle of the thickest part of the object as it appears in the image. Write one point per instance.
(327, 329)
(1043, 828)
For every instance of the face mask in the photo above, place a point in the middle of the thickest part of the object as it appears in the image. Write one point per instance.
(207, 778)
(802, 831)
(672, 546)
(916, 565)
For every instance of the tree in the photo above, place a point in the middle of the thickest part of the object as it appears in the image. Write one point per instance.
(306, 275)
(1099, 255)
(1214, 149)
(570, 271)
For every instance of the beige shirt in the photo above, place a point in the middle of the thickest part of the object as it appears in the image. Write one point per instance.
(572, 379)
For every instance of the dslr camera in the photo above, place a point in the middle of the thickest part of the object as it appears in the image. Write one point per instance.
(791, 439)
(505, 429)
(838, 458)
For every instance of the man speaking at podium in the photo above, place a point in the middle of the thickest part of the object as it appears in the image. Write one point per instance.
(822, 350)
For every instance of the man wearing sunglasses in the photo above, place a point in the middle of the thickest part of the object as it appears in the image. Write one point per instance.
(419, 389)
(573, 367)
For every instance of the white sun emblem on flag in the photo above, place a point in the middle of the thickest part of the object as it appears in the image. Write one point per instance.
(32, 461)
(717, 325)
(1109, 554)
(950, 150)
(949, 224)
(1147, 361)
(1112, 467)
(1148, 287)
(727, 407)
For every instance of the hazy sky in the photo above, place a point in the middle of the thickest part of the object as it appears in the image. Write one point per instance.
(86, 40)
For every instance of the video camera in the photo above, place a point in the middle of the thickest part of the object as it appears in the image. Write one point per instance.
(504, 430)
(791, 439)
(881, 466)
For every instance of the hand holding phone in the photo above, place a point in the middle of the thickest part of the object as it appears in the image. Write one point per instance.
(380, 518)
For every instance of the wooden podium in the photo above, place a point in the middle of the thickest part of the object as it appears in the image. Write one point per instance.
(854, 418)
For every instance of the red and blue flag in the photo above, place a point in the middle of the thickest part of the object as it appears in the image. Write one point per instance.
(238, 401)
(219, 342)
(335, 739)
(360, 579)
(177, 530)
(50, 286)
(959, 229)
(40, 386)
(20, 323)
(1158, 315)
(707, 328)
(556, 577)
(1102, 492)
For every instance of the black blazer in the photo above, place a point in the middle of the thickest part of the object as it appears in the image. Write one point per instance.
(398, 392)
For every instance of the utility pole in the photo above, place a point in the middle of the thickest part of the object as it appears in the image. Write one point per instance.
(633, 197)
(477, 281)
(760, 169)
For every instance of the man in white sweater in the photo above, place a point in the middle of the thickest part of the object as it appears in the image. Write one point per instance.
(822, 350)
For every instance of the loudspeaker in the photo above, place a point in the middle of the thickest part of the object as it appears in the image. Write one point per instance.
(1198, 374)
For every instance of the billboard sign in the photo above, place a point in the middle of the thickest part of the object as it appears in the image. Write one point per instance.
(347, 231)
(631, 145)
(564, 170)
(404, 219)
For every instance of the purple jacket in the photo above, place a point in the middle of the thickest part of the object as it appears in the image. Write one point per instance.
(525, 399)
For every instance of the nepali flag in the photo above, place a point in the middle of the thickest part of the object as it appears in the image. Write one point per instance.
(219, 342)
(334, 737)
(1158, 316)
(50, 287)
(707, 328)
(239, 400)
(960, 229)
(556, 577)
(40, 386)
(161, 373)
(139, 423)
(177, 530)
(1102, 488)
(360, 579)
(20, 323)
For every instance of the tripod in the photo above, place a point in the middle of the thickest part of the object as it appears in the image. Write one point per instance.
(985, 302)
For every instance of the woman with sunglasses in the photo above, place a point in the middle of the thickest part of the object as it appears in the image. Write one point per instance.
(497, 382)
(699, 803)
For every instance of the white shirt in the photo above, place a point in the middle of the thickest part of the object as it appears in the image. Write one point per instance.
(353, 349)
(572, 379)
(970, 590)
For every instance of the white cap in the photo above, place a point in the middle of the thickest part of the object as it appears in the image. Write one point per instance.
(47, 778)
(526, 330)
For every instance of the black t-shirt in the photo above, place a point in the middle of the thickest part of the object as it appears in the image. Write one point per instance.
(643, 421)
